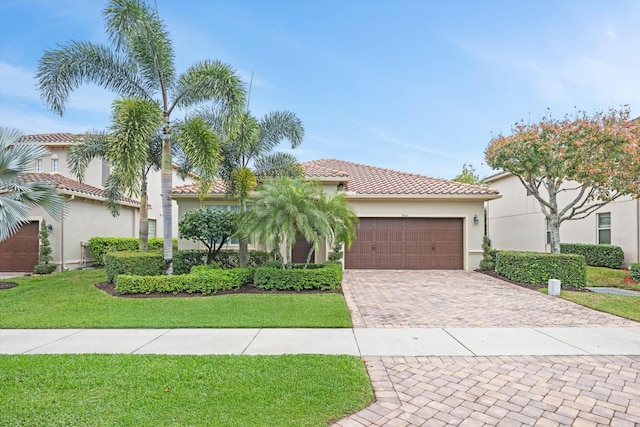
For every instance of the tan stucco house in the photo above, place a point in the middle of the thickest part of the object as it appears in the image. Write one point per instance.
(87, 215)
(407, 221)
(516, 222)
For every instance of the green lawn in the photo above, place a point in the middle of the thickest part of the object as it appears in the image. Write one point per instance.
(623, 306)
(70, 300)
(608, 277)
(141, 390)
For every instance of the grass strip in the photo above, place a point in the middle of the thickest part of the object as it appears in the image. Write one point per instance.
(151, 390)
(620, 305)
(70, 300)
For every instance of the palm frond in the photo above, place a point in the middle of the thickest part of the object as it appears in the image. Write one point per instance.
(278, 164)
(16, 157)
(88, 146)
(278, 126)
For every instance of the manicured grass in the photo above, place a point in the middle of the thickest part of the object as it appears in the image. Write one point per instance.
(623, 306)
(608, 277)
(141, 390)
(70, 300)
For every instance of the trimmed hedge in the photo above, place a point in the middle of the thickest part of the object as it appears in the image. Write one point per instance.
(327, 277)
(538, 268)
(203, 279)
(99, 246)
(183, 260)
(634, 270)
(596, 255)
(133, 263)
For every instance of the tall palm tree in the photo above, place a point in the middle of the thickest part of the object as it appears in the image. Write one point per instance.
(282, 209)
(133, 148)
(16, 198)
(140, 64)
(247, 148)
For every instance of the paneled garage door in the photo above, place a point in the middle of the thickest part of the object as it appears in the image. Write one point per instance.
(407, 243)
(20, 251)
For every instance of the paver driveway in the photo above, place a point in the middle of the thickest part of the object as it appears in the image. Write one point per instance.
(485, 391)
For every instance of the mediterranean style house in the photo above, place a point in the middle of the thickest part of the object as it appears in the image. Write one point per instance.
(86, 214)
(516, 222)
(407, 221)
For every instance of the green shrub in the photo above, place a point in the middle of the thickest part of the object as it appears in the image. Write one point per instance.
(204, 279)
(231, 258)
(272, 263)
(44, 268)
(538, 268)
(487, 263)
(327, 277)
(99, 246)
(184, 259)
(596, 255)
(634, 270)
(133, 263)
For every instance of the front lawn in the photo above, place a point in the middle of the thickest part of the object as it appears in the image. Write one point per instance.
(623, 306)
(609, 277)
(70, 300)
(149, 390)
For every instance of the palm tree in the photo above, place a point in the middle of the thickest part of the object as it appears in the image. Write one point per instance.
(140, 64)
(16, 197)
(133, 148)
(247, 148)
(282, 209)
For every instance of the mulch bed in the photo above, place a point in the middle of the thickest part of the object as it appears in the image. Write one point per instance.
(7, 285)
(529, 285)
(110, 288)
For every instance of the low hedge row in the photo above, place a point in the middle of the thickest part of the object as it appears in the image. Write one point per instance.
(634, 270)
(326, 277)
(538, 268)
(100, 246)
(133, 263)
(184, 260)
(596, 255)
(202, 279)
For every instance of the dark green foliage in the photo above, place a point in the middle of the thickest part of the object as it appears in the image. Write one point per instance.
(596, 255)
(211, 227)
(488, 255)
(184, 259)
(133, 263)
(327, 277)
(336, 252)
(204, 279)
(273, 263)
(538, 268)
(99, 246)
(43, 266)
(231, 258)
(634, 270)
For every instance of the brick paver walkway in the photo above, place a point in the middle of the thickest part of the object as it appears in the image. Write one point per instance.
(457, 299)
(485, 391)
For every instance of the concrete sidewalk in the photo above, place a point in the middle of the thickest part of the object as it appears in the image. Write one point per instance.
(358, 341)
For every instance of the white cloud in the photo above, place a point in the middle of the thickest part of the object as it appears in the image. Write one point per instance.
(17, 81)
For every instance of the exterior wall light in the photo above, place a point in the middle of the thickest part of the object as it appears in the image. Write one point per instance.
(475, 219)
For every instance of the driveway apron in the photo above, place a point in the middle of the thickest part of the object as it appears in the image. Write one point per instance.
(512, 390)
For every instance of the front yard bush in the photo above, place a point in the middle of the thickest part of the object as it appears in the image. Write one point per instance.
(133, 263)
(231, 258)
(99, 246)
(596, 255)
(634, 270)
(328, 276)
(183, 260)
(203, 279)
(538, 268)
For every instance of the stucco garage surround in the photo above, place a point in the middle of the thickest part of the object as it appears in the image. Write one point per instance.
(407, 221)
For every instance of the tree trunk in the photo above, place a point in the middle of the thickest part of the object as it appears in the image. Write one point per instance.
(165, 176)
(244, 240)
(554, 231)
(553, 216)
(144, 218)
(313, 248)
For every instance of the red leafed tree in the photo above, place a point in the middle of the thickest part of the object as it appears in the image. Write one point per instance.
(594, 159)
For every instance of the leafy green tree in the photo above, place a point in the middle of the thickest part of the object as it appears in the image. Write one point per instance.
(247, 153)
(133, 147)
(16, 196)
(139, 64)
(212, 227)
(468, 176)
(593, 159)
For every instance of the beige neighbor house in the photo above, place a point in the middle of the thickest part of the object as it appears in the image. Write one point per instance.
(87, 215)
(407, 221)
(516, 222)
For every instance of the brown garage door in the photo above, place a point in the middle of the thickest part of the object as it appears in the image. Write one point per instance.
(407, 243)
(20, 251)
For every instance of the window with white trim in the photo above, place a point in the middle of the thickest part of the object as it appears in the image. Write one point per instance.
(54, 165)
(38, 165)
(152, 228)
(604, 228)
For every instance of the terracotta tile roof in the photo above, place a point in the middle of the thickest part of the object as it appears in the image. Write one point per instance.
(49, 138)
(371, 180)
(374, 180)
(69, 185)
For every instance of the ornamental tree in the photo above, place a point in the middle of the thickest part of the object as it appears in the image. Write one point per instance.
(468, 176)
(572, 166)
(212, 227)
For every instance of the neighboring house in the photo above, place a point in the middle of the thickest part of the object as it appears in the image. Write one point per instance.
(407, 221)
(87, 211)
(516, 222)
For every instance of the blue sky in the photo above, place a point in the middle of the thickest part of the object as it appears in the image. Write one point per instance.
(415, 86)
